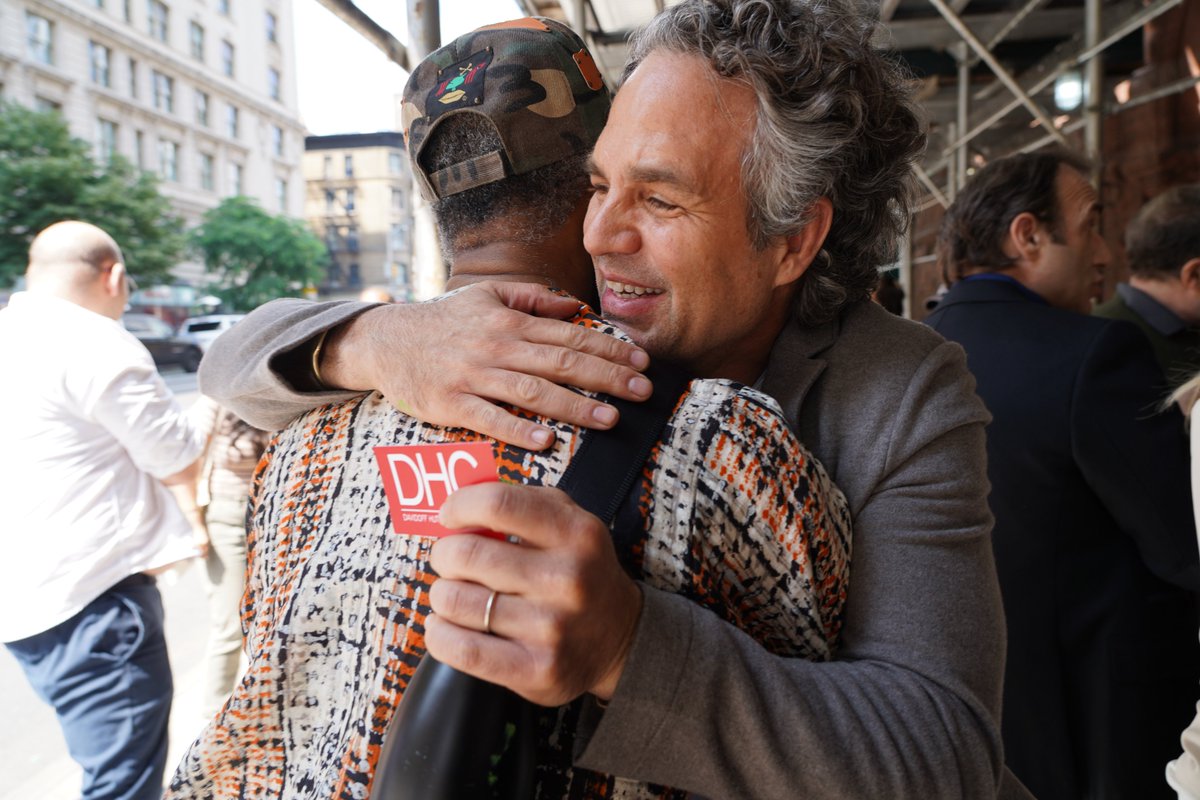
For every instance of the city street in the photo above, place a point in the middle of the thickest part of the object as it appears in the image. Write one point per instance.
(33, 756)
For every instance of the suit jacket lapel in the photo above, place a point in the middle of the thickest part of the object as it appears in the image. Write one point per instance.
(793, 367)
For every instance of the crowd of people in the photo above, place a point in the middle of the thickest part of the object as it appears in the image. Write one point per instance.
(865, 557)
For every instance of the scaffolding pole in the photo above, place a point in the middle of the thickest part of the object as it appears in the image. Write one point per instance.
(1093, 89)
(429, 272)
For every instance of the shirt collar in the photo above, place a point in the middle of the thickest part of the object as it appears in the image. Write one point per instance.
(1157, 316)
(996, 276)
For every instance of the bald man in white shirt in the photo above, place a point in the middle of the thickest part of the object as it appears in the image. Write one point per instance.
(92, 438)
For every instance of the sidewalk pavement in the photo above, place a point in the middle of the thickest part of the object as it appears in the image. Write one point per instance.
(45, 771)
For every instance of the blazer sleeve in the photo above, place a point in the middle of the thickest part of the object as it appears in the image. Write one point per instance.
(258, 368)
(1133, 454)
(908, 709)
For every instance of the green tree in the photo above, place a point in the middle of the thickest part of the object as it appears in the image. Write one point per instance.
(46, 175)
(256, 256)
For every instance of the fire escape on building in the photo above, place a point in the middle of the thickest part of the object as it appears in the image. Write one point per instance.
(340, 232)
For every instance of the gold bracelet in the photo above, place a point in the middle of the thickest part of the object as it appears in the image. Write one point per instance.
(316, 360)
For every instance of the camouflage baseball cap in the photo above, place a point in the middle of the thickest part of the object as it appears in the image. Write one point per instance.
(535, 81)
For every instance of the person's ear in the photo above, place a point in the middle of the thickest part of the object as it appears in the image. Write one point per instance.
(115, 283)
(1026, 236)
(1189, 275)
(803, 247)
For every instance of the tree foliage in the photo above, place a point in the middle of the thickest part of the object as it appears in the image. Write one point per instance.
(46, 175)
(255, 256)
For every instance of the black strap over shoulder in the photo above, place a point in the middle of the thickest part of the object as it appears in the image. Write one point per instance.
(607, 464)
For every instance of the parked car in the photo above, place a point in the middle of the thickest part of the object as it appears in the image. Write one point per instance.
(201, 331)
(160, 339)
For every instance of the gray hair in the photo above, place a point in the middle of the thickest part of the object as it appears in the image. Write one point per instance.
(1165, 233)
(835, 119)
(530, 207)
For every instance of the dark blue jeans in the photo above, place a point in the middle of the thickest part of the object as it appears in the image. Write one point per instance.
(106, 674)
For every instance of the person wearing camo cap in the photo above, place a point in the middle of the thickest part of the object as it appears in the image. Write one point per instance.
(499, 125)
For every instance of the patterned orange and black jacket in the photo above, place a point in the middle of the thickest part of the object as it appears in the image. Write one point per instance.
(738, 517)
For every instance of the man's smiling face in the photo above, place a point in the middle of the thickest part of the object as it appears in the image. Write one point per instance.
(667, 225)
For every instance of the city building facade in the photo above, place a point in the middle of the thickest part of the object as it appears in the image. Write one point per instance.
(359, 202)
(201, 92)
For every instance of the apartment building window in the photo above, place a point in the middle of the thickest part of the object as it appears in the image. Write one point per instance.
(133, 78)
(98, 4)
(46, 104)
(281, 188)
(99, 55)
(395, 163)
(223, 7)
(157, 14)
(231, 121)
(196, 39)
(39, 38)
(273, 83)
(227, 58)
(235, 178)
(168, 160)
(330, 202)
(353, 276)
(164, 92)
(127, 10)
(350, 201)
(348, 163)
(398, 237)
(106, 140)
(397, 200)
(201, 108)
(206, 172)
(352, 239)
(277, 140)
(272, 28)
(327, 169)
(139, 149)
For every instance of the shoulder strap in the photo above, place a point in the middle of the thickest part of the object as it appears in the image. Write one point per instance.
(608, 463)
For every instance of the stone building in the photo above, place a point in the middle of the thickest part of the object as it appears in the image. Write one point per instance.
(200, 91)
(358, 202)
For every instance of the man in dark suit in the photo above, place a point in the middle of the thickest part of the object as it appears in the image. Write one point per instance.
(1163, 294)
(1094, 539)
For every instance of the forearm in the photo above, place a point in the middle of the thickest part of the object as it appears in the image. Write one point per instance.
(182, 485)
(701, 706)
(909, 708)
(261, 369)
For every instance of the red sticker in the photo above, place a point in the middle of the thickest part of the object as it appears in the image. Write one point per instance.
(418, 478)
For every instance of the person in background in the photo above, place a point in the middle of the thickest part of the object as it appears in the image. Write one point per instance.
(233, 450)
(1163, 294)
(1094, 540)
(1183, 774)
(93, 438)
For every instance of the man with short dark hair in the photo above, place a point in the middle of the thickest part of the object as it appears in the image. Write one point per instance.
(1162, 243)
(1094, 539)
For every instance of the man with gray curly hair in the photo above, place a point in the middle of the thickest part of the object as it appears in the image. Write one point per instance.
(753, 177)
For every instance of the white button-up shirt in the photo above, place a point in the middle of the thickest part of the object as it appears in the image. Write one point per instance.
(89, 430)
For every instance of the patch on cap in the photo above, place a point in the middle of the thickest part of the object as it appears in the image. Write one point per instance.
(459, 85)
(588, 69)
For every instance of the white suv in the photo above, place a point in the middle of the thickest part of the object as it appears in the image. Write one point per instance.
(200, 331)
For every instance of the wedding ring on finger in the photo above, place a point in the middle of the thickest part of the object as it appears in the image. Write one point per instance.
(487, 612)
